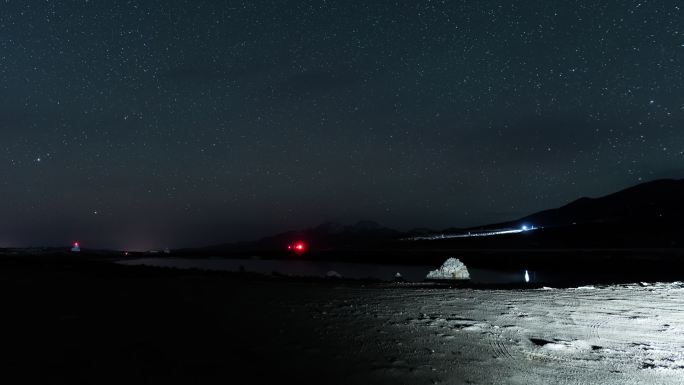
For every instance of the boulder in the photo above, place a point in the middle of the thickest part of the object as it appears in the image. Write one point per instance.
(398, 277)
(333, 274)
(452, 269)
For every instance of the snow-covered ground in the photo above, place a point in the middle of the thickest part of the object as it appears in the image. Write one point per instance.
(630, 334)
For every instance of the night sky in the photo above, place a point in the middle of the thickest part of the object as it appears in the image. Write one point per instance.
(141, 124)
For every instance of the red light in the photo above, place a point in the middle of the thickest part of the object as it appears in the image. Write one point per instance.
(76, 244)
(298, 247)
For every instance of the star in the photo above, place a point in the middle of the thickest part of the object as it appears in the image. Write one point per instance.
(438, 114)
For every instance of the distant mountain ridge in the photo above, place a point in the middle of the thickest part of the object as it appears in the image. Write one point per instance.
(659, 200)
(652, 210)
(324, 236)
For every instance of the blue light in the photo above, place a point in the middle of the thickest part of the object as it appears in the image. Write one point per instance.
(525, 228)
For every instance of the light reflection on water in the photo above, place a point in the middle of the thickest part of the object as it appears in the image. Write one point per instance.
(410, 273)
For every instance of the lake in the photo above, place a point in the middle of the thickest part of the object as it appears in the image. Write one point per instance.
(412, 273)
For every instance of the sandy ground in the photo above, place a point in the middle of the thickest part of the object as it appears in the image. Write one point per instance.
(610, 335)
(95, 324)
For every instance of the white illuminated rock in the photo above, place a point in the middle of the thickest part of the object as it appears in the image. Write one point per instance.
(333, 274)
(452, 269)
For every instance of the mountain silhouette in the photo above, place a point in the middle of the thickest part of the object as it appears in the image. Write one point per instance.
(648, 215)
(659, 201)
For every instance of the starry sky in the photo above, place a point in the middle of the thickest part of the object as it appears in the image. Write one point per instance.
(167, 123)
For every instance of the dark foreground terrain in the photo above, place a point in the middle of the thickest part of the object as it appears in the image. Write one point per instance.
(76, 321)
